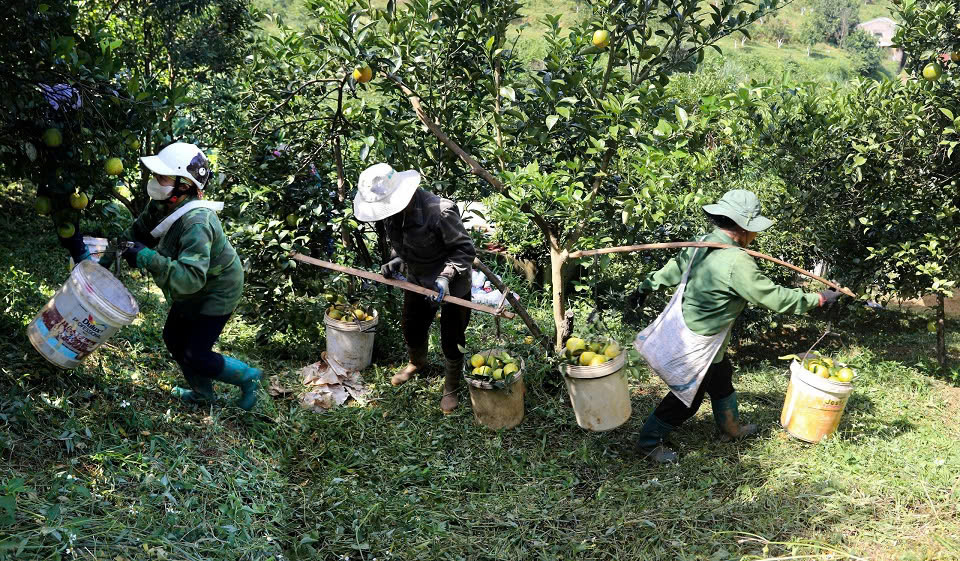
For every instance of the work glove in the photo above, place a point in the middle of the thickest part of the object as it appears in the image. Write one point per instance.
(74, 244)
(829, 297)
(130, 254)
(391, 267)
(637, 299)
(442, 287)
(107, 258)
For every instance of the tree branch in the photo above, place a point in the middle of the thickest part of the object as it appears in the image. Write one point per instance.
(471, 163)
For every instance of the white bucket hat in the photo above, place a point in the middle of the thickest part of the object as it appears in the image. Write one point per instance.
(180, 159)
(383, 192)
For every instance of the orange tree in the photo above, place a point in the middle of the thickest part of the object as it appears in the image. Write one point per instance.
(86, 82)
(309, 118)
(61, 93)
(871, 170)
(930, 39)
(557, 142)
(566, 143)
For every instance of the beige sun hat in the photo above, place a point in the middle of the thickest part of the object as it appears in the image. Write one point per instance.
(383, 192)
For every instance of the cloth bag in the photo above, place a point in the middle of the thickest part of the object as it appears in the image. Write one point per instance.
(679, 356)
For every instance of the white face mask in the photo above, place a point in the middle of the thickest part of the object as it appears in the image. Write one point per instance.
(158, 192)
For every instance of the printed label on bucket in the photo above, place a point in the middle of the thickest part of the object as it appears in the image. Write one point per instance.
(74, 332)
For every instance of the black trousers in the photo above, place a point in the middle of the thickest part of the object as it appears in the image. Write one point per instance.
(418, 314)
(190, 338)
(718, 382)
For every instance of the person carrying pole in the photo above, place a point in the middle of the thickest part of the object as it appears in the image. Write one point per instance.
(430, 246)
(686, 345)
(180, 241)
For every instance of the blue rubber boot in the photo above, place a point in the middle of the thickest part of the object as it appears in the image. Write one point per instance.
(727, 415)
(200, 392)
(244, 376)
(650, 441)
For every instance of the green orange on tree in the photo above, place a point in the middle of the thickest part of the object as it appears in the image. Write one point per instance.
(79, 201)
(363, 74)
(113, 166)
(43, 205)
(52, 137)
(601, 38)
(932, 72)
(66, 230)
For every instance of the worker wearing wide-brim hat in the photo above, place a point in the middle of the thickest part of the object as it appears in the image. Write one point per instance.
(714, 287)
(430, 246)
(178, 238)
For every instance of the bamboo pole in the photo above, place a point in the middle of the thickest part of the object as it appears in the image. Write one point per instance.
(717, 245)
(409, 286)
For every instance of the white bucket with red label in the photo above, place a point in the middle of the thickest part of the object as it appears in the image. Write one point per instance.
(87, 310)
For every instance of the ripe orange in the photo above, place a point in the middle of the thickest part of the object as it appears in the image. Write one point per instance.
(363, 74)
(601, 38)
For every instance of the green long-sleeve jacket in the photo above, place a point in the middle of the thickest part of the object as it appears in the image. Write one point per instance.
(193, 262)
(721, 283)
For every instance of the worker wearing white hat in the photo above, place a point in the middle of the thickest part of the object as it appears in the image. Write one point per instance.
(432, 248)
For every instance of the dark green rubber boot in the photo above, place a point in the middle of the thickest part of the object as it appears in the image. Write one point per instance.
(244, 376)
(727, 415)
(650, 441)
(200, 391)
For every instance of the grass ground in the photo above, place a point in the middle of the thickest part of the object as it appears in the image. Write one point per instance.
(98, 462)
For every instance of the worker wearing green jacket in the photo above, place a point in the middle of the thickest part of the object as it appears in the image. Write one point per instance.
(719, 283)
(179, 240)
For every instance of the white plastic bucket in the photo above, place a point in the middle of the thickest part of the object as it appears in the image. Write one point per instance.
(96, 247)
(813, 406)
(600, 395)
(350, 343)
(87, 310)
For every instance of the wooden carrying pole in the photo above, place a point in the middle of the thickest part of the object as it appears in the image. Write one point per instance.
(718, 245)
(401, 284)
(515, 302)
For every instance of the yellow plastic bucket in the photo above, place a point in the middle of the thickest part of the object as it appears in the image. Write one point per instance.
(495, 407)
(813, 406)
(600, 395)
(87, 310)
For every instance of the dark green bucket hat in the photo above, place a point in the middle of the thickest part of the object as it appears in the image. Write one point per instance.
(743, 207)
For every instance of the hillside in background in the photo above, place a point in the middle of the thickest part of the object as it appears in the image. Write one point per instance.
(759, 57)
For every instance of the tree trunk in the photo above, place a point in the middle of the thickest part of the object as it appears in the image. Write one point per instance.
(558, 261)
(941, 334)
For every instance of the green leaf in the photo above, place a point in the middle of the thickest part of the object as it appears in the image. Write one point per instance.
(8, 508)
(681, 116)
(947, 112)
(507, 92)
(551, 121)
(663, 129)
